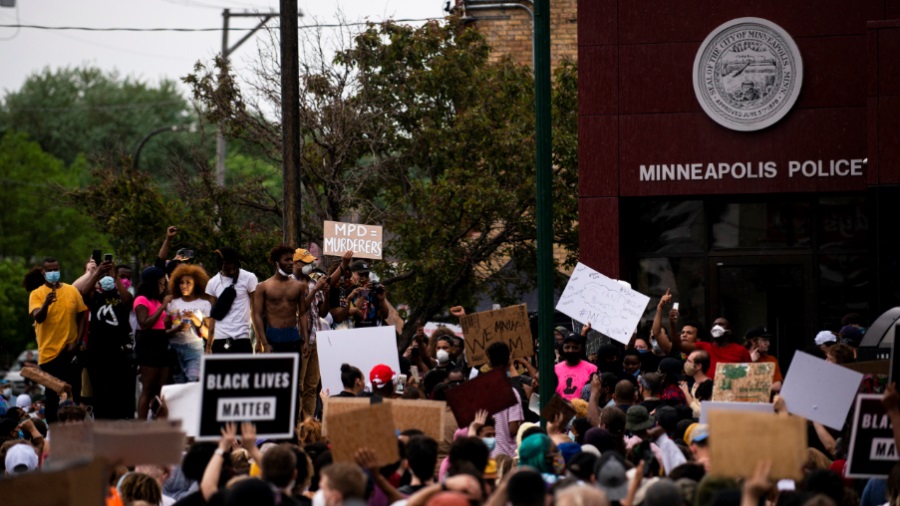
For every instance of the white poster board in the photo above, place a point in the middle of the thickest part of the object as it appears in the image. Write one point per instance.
(820, 391)
(362, 348)
(706, 407)
(183, 401)
(609, 306)
(365, 241)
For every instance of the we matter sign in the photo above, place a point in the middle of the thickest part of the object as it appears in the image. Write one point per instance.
(365, 241)
(872, 450)
(261, 389)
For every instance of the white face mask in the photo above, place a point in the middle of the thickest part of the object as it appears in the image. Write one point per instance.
(717, 331)
(442, 356)
(285, 274)
(307, 269)
(7, 392)
(318, 498)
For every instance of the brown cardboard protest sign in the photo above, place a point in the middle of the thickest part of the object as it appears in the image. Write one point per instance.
(128, 443)
(743, 382)
(491, 391)
(509, 325)
(81, 483)
(738, 440)
(42, 378)
(427, 416)
(365, 241)
(556, 406)
(371, 426)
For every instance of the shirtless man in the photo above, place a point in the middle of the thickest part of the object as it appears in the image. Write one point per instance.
(281, 302)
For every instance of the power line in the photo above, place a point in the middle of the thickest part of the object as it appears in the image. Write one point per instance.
(98, 106)
(219, 29)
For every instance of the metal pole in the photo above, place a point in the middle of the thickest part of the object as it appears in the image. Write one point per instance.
(137, 153)
(543, 164)
(290, 121)
(220, 135)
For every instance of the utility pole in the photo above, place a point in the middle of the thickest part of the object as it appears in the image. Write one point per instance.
(544, 166)
(226, 52)
(290, 123)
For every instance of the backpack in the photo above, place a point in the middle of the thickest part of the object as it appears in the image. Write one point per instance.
(224, 301)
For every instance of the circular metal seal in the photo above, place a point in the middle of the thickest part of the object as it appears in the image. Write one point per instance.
(747, 74)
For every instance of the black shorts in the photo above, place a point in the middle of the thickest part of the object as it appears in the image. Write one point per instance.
(152, 348)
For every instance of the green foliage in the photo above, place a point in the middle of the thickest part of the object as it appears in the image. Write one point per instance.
(16, 332)
(36, 222)
(86, 111)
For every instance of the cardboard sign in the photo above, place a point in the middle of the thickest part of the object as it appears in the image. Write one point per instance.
(706, 407)
(556, 406)
(610, 307)
(363, 348)
(42, 378)
(365, 241)
(508, 325)
(743, 382)
(873, 452)
(491, 391)
(182, 400)
(128, 443)
(248, 388)
(427, 416)
(820, 391)
(737, 441)
(371, 426)
(81, 483)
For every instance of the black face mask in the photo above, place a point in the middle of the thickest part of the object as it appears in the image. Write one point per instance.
(572, 357)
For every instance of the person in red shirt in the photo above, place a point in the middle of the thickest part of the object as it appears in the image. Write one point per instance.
(722, 349)
(759, 340)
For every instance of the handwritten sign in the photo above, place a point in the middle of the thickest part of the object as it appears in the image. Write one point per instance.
(610, 307)
(743, 382)
(508, 325)
(365, 241)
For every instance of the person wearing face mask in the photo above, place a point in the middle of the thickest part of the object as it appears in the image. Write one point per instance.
(443, 344)
(59, 312)
(279, 304)
(111, 374)
(573, 372)
(695, 368)
(304, 267)
(723, 348)
(631, 363)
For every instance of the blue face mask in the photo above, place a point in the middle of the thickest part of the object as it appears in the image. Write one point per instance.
(52, 277)
(490, 442)
(20, 434)
(107, 283)
(642, 352)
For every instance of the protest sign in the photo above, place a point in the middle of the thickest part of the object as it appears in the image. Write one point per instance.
(706, 407)
(363, 348)
(609, 306)
(508, 325)
(128, 443)
(819, 391)
(872, 450)
(491, 391)
(737, 382)
(557, 406)
(182, 400)
(365, 241)
(371, 426)
(738, 440)
(43, 378)
(79, 483)
(427, 416)
(248, 388)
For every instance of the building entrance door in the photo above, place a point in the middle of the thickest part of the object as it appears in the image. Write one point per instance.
(771, 290)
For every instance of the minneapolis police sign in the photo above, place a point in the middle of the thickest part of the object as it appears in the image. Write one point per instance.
(261, 389)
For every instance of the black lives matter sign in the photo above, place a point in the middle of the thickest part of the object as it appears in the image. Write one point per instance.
(872, 450)
(261, 389)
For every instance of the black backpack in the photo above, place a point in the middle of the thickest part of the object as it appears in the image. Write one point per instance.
(224, 301)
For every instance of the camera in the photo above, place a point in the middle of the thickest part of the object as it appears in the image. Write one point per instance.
(108, 257)
(378, 288)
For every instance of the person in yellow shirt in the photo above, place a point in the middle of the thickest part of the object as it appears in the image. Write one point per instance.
(59, 317)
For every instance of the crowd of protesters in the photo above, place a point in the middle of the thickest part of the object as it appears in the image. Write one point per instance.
(634, 440)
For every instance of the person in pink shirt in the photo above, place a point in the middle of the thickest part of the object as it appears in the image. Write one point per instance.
(573, 372)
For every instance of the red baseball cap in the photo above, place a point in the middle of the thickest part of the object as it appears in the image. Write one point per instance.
(381, 375)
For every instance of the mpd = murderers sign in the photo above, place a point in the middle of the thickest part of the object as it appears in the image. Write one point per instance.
(872, 450)
(365, 241)
(248, 388)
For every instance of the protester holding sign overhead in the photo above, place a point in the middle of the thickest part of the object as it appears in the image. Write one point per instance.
(231, 290)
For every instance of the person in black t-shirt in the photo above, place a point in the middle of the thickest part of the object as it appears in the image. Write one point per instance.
(353, 380)
(109, 334)
(422, 455)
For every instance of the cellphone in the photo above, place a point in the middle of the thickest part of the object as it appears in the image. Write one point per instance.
(107, 257)
(675, 306)
(97, 255)
(401, 384)
(414, 370)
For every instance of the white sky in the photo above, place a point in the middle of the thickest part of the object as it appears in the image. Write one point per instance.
(154, 55)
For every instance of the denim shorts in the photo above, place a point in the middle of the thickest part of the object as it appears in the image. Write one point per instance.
(189, 357)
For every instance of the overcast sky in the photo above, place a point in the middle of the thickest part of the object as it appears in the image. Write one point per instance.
(154, 55)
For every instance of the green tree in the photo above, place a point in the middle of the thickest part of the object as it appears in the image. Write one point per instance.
(37, 223)
(16, 332)
(86, 111)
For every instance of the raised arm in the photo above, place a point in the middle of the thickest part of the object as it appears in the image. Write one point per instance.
(167, 243)
(656, 331)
